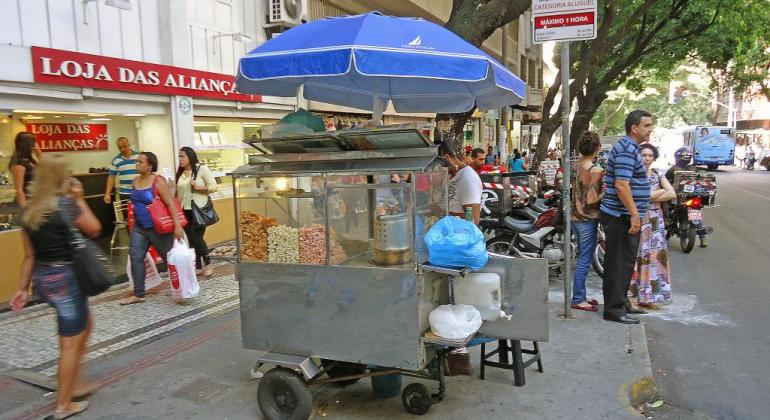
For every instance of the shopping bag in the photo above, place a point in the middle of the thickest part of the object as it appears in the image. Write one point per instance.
(161, 218)
(456, 243)
(152, 279)
(454, 321)
(181, 270)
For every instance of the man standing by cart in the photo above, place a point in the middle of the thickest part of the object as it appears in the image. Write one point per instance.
(622, 210)
(464, 188)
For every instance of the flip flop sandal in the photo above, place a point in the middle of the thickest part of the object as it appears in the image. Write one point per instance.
(130, 301)
(65, 414)
(584, 308)
(593, 302)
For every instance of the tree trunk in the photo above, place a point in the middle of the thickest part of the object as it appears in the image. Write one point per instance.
(547, 130)
(474, 21)
(450, 129)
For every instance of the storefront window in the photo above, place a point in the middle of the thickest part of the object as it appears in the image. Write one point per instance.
(219, 144)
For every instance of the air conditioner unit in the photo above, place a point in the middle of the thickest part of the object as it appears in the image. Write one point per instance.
(287, 12)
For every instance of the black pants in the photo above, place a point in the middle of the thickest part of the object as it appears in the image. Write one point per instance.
(195, 236)
(619, 260)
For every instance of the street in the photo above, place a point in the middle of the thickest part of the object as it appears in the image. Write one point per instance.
(709, 347)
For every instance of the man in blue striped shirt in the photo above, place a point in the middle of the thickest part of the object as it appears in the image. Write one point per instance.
(122, 171)
(623, 207)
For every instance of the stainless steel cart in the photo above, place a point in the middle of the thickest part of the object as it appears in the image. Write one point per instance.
(328, 296)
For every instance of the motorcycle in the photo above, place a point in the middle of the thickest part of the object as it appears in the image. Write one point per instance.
(601, 246)
(528, 232)
(684, 218)
(686, 221)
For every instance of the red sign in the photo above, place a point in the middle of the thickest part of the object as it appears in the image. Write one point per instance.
(60, 67)
(572, 19)
(70, 137)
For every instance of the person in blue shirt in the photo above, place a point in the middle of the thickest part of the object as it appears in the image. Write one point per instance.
(490, 156)
(622, 210)
(122, 172)
(517, 163)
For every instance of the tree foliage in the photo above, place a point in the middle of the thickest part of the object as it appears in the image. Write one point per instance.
(474, 21)
(653, 95)
(642, 41)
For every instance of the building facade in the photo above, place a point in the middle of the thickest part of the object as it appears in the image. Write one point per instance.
(82, 73)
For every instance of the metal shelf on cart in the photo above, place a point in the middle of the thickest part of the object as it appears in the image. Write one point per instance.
(444, 270)
(428, 337)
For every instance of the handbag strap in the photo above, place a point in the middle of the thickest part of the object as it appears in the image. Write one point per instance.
(155, 194)
(76, 238)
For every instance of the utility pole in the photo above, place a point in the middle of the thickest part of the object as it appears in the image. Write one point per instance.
(566, 173)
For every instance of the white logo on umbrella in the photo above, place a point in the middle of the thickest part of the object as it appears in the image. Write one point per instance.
(415, 42)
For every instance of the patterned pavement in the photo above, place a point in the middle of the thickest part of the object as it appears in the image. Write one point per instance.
(29, 340)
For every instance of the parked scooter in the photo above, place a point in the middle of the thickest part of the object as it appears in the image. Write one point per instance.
(530, 233)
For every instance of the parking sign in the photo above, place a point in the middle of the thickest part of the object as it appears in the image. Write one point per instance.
(560, 20)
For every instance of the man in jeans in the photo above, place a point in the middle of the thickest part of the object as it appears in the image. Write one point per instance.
(622, 210)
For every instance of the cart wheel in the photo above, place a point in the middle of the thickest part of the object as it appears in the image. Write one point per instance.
(416, 399)
(283, 394)
(340, 369)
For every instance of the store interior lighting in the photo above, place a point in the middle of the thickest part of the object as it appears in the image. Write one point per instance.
(134, 115)
(101, 119)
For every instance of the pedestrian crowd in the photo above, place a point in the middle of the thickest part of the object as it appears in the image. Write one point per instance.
(55, 215)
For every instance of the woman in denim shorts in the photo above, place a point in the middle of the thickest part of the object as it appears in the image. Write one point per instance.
(48, 263)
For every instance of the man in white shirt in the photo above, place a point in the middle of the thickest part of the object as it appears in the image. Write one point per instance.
(464, 187)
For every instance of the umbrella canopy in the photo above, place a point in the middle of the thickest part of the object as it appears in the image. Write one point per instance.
(365, 60)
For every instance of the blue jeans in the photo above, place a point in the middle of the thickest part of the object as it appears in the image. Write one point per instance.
(57, 284)
(586, 231)
(139, 241)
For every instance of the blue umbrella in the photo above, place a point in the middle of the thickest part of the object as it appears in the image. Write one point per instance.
(365, 60)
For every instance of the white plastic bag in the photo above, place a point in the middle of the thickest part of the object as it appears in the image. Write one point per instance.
(152, 278)
(181, 269)
(454, 321)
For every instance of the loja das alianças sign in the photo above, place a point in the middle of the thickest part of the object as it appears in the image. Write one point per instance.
(60, 67)
(70, 137)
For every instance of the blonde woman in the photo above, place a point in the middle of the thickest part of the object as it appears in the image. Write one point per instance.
(55, 199)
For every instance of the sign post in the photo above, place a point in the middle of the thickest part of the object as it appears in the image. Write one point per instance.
(565, 21)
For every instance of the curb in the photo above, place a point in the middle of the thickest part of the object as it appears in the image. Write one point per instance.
(642, 388)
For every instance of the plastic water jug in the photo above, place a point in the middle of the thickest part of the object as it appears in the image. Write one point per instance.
(482, 291)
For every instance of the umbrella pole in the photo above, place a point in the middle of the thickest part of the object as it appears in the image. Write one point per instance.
(378, 108)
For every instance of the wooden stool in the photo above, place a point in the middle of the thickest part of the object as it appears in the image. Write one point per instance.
(512, 347)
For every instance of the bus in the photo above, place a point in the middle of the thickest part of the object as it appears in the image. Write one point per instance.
(711, 145)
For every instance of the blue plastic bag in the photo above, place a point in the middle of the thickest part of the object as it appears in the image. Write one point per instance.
(456, 243)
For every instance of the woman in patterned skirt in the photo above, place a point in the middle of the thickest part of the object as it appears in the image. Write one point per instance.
(651, 281)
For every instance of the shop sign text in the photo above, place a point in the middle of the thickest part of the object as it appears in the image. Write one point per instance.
(70, 137)
(87, 70)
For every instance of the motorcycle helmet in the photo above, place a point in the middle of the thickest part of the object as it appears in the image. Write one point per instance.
(683, 156)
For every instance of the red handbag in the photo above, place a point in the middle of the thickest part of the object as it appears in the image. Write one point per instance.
(161, 218)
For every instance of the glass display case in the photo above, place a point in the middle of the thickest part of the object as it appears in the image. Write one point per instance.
(219, 145)
(361, 198)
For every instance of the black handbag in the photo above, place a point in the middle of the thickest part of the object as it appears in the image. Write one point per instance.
(204, 216)
(93, 270)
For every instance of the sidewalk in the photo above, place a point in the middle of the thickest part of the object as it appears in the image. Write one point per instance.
(591, 366)
(29, 340)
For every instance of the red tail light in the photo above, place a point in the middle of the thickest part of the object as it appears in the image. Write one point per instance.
(694, 203)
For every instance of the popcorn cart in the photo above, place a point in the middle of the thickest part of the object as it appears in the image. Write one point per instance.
(336, 292)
